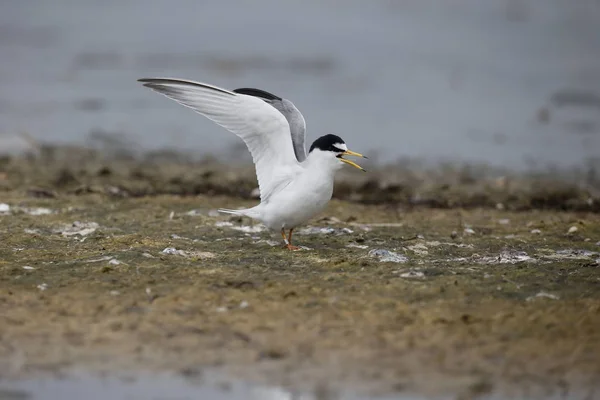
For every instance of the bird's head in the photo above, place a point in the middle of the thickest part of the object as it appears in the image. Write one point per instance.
(332, 148)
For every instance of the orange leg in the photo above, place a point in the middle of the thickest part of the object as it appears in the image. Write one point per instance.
(288, 241)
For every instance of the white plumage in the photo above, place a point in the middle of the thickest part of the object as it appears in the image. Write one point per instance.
(291, 192)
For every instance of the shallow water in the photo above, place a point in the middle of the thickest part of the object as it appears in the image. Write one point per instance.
(512, 83)
(162, 387)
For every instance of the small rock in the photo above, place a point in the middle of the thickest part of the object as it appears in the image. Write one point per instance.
(412, 274)
(419, 249)
(42, 286)
(244, 304)
(171, 215)
(388, 256)
(572, 230)
(78, 228)
(37, 211)
(504, 221)
(454, 235)
(114, 261)
(27, 267)
(147, 255)
(543, 295)
(114, 293)
(357, 246)
(499, 206)
(188, 254)
(221, 309)
(314, 230)
(469, 231)
(220, 224)
(536, 231)
(174, 251)
(194, 213)
(4, 208)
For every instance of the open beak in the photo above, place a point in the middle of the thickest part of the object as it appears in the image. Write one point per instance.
(351, 153)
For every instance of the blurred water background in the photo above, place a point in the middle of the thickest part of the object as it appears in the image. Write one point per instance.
(510, 83)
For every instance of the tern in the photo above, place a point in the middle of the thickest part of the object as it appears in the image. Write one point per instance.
(294, 186)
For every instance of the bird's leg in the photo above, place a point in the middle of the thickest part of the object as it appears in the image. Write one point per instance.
(287, 242)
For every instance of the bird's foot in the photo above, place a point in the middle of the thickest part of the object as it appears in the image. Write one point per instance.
(292, 248)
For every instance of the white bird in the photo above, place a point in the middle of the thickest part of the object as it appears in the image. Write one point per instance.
(293, 186)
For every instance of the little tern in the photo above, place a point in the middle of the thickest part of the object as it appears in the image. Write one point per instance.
(294, 186)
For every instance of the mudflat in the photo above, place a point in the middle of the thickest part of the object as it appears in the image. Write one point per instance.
(101, 268)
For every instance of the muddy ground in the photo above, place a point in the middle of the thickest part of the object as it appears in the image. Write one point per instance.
(473, 286)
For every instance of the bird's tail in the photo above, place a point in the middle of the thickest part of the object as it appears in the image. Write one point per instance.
(245, 212)
(229, 211)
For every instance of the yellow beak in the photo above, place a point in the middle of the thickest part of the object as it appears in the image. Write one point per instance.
(351, 153)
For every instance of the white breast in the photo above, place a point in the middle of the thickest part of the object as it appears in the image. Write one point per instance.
(306, 196)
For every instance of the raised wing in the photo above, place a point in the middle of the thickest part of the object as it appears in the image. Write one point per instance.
(265, 130)
(290, 112)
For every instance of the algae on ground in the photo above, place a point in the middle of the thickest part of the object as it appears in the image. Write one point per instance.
(485, 300)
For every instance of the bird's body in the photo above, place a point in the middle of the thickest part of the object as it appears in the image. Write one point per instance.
(302, 195)
(293, 186)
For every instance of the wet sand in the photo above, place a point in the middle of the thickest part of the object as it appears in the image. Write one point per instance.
(102, 269)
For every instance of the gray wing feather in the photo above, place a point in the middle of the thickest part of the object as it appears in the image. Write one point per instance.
(291, 114)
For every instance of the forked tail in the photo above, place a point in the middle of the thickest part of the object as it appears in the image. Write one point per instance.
(229, 211)
(246, 212)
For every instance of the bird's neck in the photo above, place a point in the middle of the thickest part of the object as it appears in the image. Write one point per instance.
(322, 163)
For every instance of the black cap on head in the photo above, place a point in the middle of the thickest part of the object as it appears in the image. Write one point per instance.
(326, 143)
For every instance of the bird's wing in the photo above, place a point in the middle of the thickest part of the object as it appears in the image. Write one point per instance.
(290, 112)
(265, 130)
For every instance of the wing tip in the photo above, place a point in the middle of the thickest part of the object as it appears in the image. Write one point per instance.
(155, 82)
(257, 93)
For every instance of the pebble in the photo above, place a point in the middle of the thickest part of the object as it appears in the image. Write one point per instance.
(27, 267)
(38, 211)
(572, 229)
(469, 231)
(173, 251)
(504, 221)
(4, 208)
(78, 228)
(412, 274)
(536, 231)
(543, 295)
(388, 256)
(42, 286)
(357, 246)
